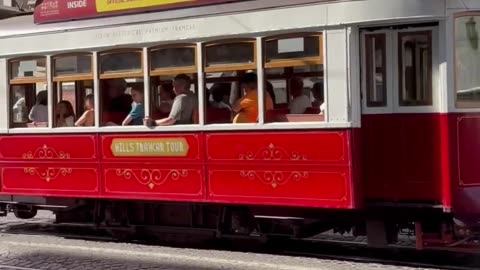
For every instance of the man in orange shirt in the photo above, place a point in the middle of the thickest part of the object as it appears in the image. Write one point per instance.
(246, 107)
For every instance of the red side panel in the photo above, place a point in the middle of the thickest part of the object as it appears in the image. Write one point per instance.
(64, 165)
(281, 168)
(465, 162)
(153, 166)
(401, 157)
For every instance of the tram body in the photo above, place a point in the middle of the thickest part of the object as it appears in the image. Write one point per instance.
(396, 144)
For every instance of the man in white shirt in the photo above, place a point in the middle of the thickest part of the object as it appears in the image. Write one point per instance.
(300, 102)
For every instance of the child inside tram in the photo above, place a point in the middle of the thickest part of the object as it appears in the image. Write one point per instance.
(88, 117)
(137, 114)
(64, 115)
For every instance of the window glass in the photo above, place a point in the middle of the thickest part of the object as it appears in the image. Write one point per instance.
(292, 48)
(375, 54)
(120, 62)
(172, 57)
(29, 105)
(121, 98)
(74, 104)
(467, 61)
(415, 68)
(163, 95)
(71, 65)
(227, 100)
(230, 53)
(28, 68)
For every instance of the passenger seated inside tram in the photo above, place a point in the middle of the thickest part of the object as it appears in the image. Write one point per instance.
(39, 111)
(246, 108)
(183, 106)
(88, 117)
(64, 115)
(137, 114)
(117, 101)
(270, 91)
(167, 95)
(219, 92)
(300, 102)
(319, 96)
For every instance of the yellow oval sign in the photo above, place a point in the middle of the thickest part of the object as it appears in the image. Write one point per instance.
(150, 147)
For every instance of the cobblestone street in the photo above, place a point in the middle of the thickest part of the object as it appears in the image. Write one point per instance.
(26, 252)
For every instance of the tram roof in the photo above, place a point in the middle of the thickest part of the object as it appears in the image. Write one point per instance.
(352, 10)
(24, 25)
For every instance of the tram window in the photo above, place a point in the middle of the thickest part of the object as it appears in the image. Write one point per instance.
(226, 64)
(121, 98)
(467, 61)
(294, 78)
(34, 68)
(73, 104)
(73, 91)
(415, 68)
(292, 48)
(174, 57)
(228, 54)
(121, 62)
(376, 75)
(173, 85)
(28, 93)
(163, 93)
(73, 65)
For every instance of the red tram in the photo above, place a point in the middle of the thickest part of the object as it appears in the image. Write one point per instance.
(388, 140)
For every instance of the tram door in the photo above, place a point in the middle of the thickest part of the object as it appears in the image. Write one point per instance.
(400, 112)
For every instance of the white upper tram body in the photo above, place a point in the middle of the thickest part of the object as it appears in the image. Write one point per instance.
(341, 23)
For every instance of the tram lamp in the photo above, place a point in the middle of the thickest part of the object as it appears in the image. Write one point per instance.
(472, 33)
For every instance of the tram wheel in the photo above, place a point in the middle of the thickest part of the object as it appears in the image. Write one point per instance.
(23, 212)
(120, 234)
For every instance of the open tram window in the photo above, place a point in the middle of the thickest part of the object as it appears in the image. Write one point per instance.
(467, 61)
(226, 64)
(173, 85)
(294, 78)
(28, 93)
(121, 87)
(73, 90)
(415, 68)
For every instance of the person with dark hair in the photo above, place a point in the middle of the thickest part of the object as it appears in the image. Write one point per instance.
(300, 102)
(64, 115)
(137, 114)
(39, 111)
(318, 94)
(270, 91)
(183, 105)
(88, 117)
(117, 100)
(246, 107)
(167, 95)
(218, 93)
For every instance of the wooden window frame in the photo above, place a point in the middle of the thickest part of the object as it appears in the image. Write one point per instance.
(233, 66)
(120, 75)
(368, 71)
(26, 80)
(173, 70)
(429, 100)
(73, 76)
(293, 62)
(461, 104)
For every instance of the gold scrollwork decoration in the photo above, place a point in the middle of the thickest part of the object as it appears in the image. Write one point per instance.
(151, 178)
(272, 152)
(274, 178)
(46, 152)
(48, 174)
